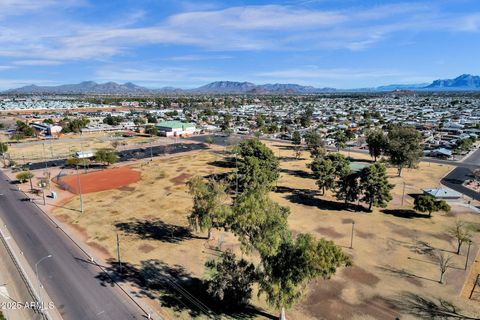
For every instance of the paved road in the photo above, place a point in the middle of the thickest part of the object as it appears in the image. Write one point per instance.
(70, 282)
(462, 172)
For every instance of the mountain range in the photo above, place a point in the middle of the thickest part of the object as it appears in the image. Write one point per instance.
(465, 82)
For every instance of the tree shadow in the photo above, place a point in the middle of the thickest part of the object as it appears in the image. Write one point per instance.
(307, 197)
(424, 248)
(175, 288)
(219, 176)
(156, 230)
(284, 147)
(351, 159)
(298, 173)
(287, 159)
(403, 273)
(405, 213)
(428, 308)
(225, 163)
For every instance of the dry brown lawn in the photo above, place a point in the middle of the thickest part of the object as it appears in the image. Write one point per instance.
(67, 145)
(150, 217)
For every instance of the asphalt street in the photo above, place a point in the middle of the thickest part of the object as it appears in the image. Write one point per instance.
(70, 281)
(464, 170)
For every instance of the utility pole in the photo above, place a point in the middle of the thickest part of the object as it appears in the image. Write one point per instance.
(236, 175)
(118, 254)
(30, 178)
(80, 191)
(403, 192)
(3, 152)
(351, 236)
(151, 151)
(45, 159)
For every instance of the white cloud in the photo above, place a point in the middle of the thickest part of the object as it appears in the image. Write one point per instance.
(249, 28)
(156, 77)
(340, 77)
(15, 83)
(37, 62)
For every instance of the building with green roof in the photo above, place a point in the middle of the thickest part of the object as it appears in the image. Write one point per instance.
(175, 128)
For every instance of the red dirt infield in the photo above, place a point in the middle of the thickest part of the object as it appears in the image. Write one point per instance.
(100, 180)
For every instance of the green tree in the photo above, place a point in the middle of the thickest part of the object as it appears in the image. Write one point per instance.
(315, 144)
(324, 172)
(73, 162)
(24, 130)
(329, 169)
(209, 208)
(139, 121)
(111, 120)
(259, 223)
(376, 142)
(24, 176)
(464, 145)
(461, 233)
(375, 186)
(151, 118)
(348, 188)
(296, 138)
(151, 130)
(285, 275)
(231, 280)
(340, 139)
(106, 156)
(257, 165)
(341, 164)
(227, 118)
(306, 117)
(209, 140)
(3, 147)
(260, 121)
(427, 203)
(404, 147)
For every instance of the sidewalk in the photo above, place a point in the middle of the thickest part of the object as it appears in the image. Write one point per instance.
(13, 290)
(35, 290)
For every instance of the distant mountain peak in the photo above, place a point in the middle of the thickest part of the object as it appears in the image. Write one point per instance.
(464, 82)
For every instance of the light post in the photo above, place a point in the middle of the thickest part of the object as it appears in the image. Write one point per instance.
(38, 280)
(351, 237)
(3, 152)
(80, 191)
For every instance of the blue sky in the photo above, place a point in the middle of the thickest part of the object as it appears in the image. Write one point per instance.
(156, 43)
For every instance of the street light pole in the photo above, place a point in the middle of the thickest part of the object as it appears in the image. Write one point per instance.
(351, 237)
(118, 254)
(38, 280)
(80, 191)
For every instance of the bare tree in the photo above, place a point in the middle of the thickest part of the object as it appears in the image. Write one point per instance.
(444, 262)
(461, 233)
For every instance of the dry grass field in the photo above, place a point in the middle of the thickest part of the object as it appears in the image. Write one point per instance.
(389, 246)
(67, 145)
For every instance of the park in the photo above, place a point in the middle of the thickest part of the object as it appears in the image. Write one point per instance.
(394, 250)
